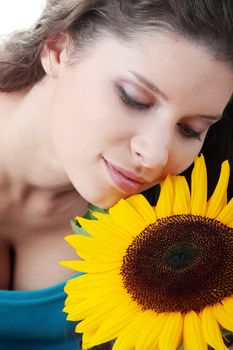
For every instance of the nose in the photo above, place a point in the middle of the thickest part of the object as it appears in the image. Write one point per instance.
(150, 148)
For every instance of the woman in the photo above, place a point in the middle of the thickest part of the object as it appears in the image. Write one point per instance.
(99, 100)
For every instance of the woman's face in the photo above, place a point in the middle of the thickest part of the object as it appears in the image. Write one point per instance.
(127, 114)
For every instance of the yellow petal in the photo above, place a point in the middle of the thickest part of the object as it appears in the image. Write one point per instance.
(223, 317)
(92, 245)
(143, 208)
(230, 224)
(97, 250)
(95, 292)
(126, 339)
(98, 316)
(181, 204)
(115, 322)
(211, 330)
(85, 266)
(226, 215)
(87, 339)
(171, 334)
(103, 283)
(106, 227)
(71, 300)
(88, 248)
(192, 334)
(86, 282)
(97, 228)
(228, 305)
(218, 199)
(88, 225)
(84, 309)
(164, 205)
(151, 329)
(126, 217)
(199, 187)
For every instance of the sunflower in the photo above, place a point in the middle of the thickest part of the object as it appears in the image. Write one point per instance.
(157, 277)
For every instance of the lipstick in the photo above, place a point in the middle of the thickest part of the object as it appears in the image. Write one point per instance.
(122, 180)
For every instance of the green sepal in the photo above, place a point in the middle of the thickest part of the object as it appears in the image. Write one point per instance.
(91, 210)
(76, 227)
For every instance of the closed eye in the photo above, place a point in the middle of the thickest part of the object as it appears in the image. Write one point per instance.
(130, 101)
(188, 132)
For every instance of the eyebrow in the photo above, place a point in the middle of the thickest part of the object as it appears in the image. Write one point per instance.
(150, 86)
(208, 117)
(155, 89)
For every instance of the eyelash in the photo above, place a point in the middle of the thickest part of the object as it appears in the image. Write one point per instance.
(189, 132)
(128, 100)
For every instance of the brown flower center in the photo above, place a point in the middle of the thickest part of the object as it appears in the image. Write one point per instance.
(180, 263)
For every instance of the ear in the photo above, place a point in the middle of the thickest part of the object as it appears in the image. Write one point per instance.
(54, 54)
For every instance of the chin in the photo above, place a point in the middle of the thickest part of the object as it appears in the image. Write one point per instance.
(106, 202)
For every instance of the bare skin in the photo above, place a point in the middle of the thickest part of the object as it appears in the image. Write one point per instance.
(34, 221)
(30, 243)
(37, 243)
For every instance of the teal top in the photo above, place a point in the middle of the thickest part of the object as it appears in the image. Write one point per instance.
(33, 320)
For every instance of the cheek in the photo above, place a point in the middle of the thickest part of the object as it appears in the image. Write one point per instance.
(182, 157)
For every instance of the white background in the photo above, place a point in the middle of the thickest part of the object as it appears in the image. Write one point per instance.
(18, 14)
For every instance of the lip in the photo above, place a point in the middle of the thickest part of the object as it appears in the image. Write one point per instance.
(124, 179)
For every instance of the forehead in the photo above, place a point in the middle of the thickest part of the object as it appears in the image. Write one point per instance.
(164, 57)
(185, 71)
(154, 45)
